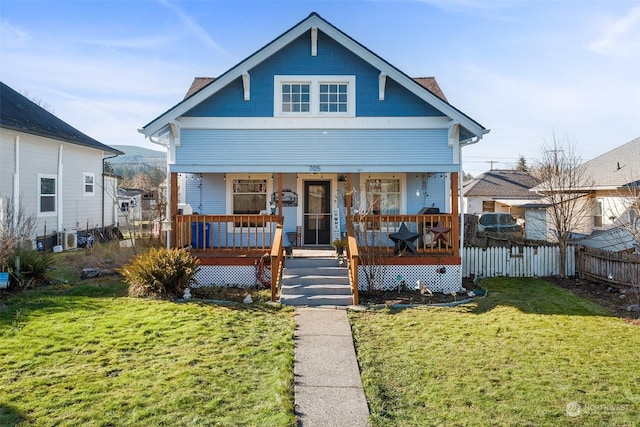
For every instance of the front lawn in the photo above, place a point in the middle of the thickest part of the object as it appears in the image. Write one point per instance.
(529, 353)
(89, 355)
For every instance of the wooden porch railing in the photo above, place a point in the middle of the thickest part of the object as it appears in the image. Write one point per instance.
(438, 233)
(225, 233)
(352, 262)
(277, 258)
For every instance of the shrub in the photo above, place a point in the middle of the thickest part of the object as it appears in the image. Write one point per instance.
(34, 267)
(160, 273)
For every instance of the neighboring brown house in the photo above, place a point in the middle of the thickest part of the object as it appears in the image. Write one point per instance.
(499, 191)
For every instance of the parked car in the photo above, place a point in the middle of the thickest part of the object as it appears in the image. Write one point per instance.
(499, 224)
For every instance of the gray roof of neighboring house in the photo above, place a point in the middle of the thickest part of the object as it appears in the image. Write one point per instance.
(616, 168)
(20, 114)
(428, 83)
(502, 184)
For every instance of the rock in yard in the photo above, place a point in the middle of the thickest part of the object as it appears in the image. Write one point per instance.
(633, 307)
(90, 273)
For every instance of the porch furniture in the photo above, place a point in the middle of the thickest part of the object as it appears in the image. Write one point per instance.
(404, 239)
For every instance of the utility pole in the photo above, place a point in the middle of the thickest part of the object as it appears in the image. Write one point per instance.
(491, 162)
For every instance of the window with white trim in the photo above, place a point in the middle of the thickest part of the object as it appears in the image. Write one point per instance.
(314, 96)
(383, 196)
(89, 183)
(333, 98)
(47, 194)
(295, 98)
(249, 196)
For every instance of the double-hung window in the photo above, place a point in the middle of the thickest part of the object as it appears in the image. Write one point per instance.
(47, 194)
(249, 196)
(383, 196)
(89, 183)
(304, 96)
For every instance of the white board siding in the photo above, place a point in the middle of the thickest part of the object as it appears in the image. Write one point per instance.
(297, 150)
(39, 155)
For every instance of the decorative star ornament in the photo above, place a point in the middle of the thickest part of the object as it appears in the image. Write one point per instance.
(440, 232)
(404, 239)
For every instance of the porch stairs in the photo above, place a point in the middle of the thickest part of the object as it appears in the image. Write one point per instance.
(313, 278)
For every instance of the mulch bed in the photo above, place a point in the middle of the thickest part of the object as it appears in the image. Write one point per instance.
(599, 293)
(603, 294)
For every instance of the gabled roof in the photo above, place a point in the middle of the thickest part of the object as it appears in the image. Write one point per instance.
(198, 84)
(502, 184)
(617, 168)
(21, 114)
(314, 21)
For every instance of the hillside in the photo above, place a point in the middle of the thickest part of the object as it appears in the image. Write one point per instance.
(137, 160)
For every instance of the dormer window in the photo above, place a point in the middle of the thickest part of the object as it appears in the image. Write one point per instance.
(314, 96)
(295, 98)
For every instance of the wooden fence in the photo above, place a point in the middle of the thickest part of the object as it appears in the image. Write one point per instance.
(618, 268)
(523, 261)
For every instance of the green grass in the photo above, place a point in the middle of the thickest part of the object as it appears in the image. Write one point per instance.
(89, 355)
(514, 358)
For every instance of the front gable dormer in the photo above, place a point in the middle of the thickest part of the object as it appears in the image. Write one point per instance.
(315, 70)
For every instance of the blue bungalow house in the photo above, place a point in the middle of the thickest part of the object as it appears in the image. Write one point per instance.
(310, 139)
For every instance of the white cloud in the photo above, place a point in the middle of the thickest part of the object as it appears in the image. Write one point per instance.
(11, 34)
(194, 27)
(620, 36)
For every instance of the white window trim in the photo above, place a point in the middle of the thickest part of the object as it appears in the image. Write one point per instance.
(55, 204)
(230, 177)
(93, 184)
(314, 83)
(403, 188)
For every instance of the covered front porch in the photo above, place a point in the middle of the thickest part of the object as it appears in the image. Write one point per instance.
(250, 249)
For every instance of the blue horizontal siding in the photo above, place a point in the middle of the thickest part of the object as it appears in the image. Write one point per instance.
(296, 59)
(301, 148)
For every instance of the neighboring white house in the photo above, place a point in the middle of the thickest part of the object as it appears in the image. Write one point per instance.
(611, 188)
(53, 170)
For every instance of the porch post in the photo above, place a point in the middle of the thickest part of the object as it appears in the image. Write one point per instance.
(455, 213)
(348, 196)
(280, 197)
(173, 207)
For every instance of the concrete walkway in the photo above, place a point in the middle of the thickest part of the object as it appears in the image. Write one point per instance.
(328, 389)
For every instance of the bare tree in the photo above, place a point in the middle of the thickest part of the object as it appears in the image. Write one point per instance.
(565, 187)
(16, 227)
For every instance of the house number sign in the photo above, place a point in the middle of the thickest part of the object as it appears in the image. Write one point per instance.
(314, 168)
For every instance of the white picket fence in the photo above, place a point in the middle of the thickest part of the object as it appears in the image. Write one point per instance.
(527, 261)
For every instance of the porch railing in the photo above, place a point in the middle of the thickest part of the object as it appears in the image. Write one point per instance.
(352, 261)
(277, 262)
(437, 234)
(226, 233)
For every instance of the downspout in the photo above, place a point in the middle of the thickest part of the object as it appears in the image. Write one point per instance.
(167, 214)
(16, 182)
(464, 143)
(59, 213)
(103, 189)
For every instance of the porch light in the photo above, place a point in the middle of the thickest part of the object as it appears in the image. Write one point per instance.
(417, 186)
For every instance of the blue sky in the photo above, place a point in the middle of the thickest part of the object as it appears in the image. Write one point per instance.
(524, 69)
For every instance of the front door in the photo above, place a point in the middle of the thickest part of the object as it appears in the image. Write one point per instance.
(317, 212)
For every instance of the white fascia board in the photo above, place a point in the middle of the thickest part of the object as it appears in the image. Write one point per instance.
(245, 123)
(404, 80)
(230, 75)
(313, 21)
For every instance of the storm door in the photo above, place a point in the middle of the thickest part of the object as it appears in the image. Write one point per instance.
(317, 212)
